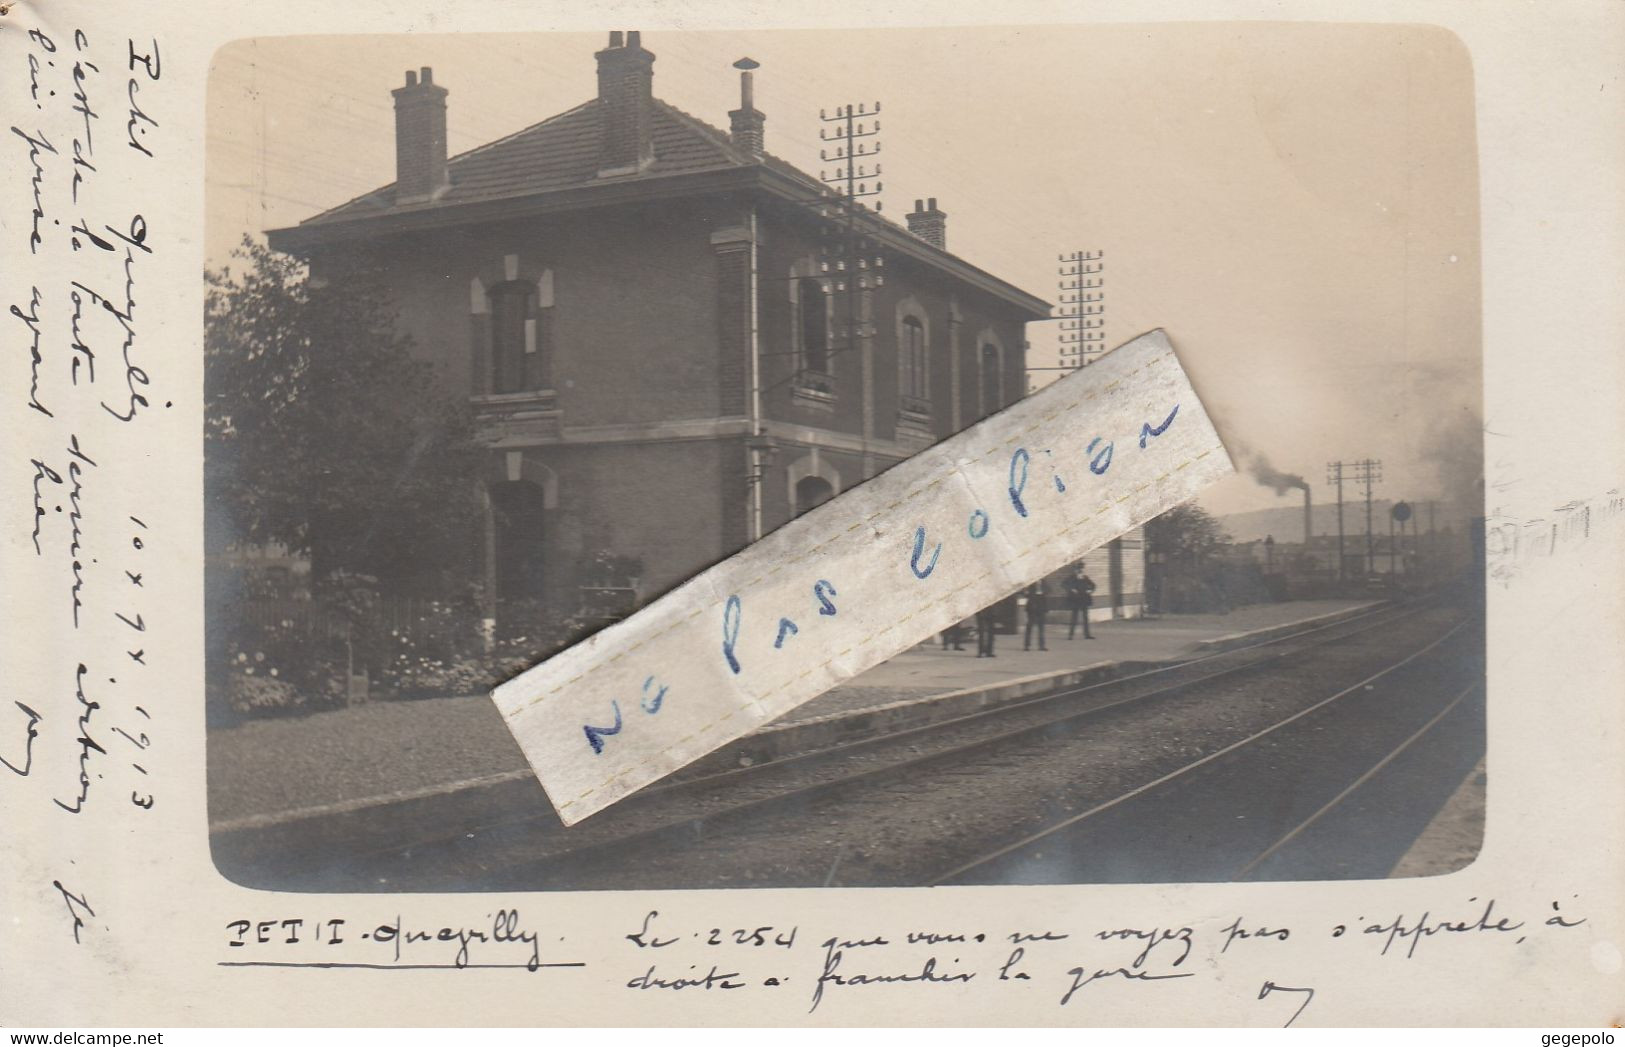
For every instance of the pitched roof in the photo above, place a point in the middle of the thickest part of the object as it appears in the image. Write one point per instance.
(561, 154)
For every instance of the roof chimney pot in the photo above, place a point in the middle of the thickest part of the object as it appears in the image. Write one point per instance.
(626, 102)
(929, 224)
(746, 122)
(420, 138)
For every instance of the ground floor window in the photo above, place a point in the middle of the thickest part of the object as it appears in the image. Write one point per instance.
(811, 492)
(517, 509)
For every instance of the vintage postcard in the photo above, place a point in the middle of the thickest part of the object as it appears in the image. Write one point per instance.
(520, 516)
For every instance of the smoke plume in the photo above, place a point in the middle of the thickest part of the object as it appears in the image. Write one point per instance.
(1454, 447)
(1270, 477)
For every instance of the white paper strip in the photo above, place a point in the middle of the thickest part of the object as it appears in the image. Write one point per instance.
(865, 576)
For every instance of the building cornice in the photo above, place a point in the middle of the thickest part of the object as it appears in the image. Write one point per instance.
(701, 429)
(312, 236)
(609, 192)
(793, 190)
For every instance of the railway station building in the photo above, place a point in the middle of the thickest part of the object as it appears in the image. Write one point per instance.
(672, 341)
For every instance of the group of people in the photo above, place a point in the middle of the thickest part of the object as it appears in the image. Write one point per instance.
(1078, 590)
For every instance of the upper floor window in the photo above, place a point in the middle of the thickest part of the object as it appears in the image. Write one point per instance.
(916, 382)
(520, 338)
(813, 324)
(992, 378)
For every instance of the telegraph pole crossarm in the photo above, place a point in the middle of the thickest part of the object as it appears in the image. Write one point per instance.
(1367, 472)
(1082, 308)
(1334, 475)
(850, 264)
(857, 268)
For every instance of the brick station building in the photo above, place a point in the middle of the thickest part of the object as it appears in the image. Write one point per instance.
(672, 341)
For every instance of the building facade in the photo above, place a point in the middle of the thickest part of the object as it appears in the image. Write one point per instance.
(672, 341)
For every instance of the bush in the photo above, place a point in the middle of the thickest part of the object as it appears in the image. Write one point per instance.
(271, 649)
(251, 695)
(438, 650)
(282, 666)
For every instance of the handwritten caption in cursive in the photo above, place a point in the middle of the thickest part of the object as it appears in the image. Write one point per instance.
(1054, 965)
(1061, 966)
(78, 737)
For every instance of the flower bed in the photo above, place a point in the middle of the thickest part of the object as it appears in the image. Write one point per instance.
(275, 655)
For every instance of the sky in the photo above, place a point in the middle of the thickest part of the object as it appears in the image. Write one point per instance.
(1296, 205)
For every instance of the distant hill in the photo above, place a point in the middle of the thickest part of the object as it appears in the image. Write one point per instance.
(1286, 522)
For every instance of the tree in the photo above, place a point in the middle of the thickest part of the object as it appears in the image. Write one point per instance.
(1186, 576)
(1186, 533)
(323, 432)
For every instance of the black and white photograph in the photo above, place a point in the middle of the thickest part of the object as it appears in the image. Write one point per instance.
(712, 516)
(507, 335)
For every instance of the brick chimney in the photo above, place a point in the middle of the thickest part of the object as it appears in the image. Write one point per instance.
(746, 122)
(420, 138)
(625, 83)
(928, 223)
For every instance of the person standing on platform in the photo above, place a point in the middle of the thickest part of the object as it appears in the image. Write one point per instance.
(1080, 595)
(984, 632)
(1037, 612)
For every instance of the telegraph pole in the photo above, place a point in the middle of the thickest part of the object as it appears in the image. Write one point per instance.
(850, 266)
(1334, 475)
(1368, 472)
(1082, 311)
(1082, 307)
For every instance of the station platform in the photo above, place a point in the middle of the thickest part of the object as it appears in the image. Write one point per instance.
(347, 761)
(928, 669)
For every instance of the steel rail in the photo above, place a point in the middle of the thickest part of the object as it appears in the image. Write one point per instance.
(1180, 772)
(1376, 617)
(1355, 785)
(868, 775)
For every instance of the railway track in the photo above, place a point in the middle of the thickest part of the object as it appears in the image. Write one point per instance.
(1072, 835)
(703, 812)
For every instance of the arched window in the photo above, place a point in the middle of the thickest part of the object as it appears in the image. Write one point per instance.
(915, 380)
(813, 322)
(811, 492)
(516, 343)
(992, 379)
